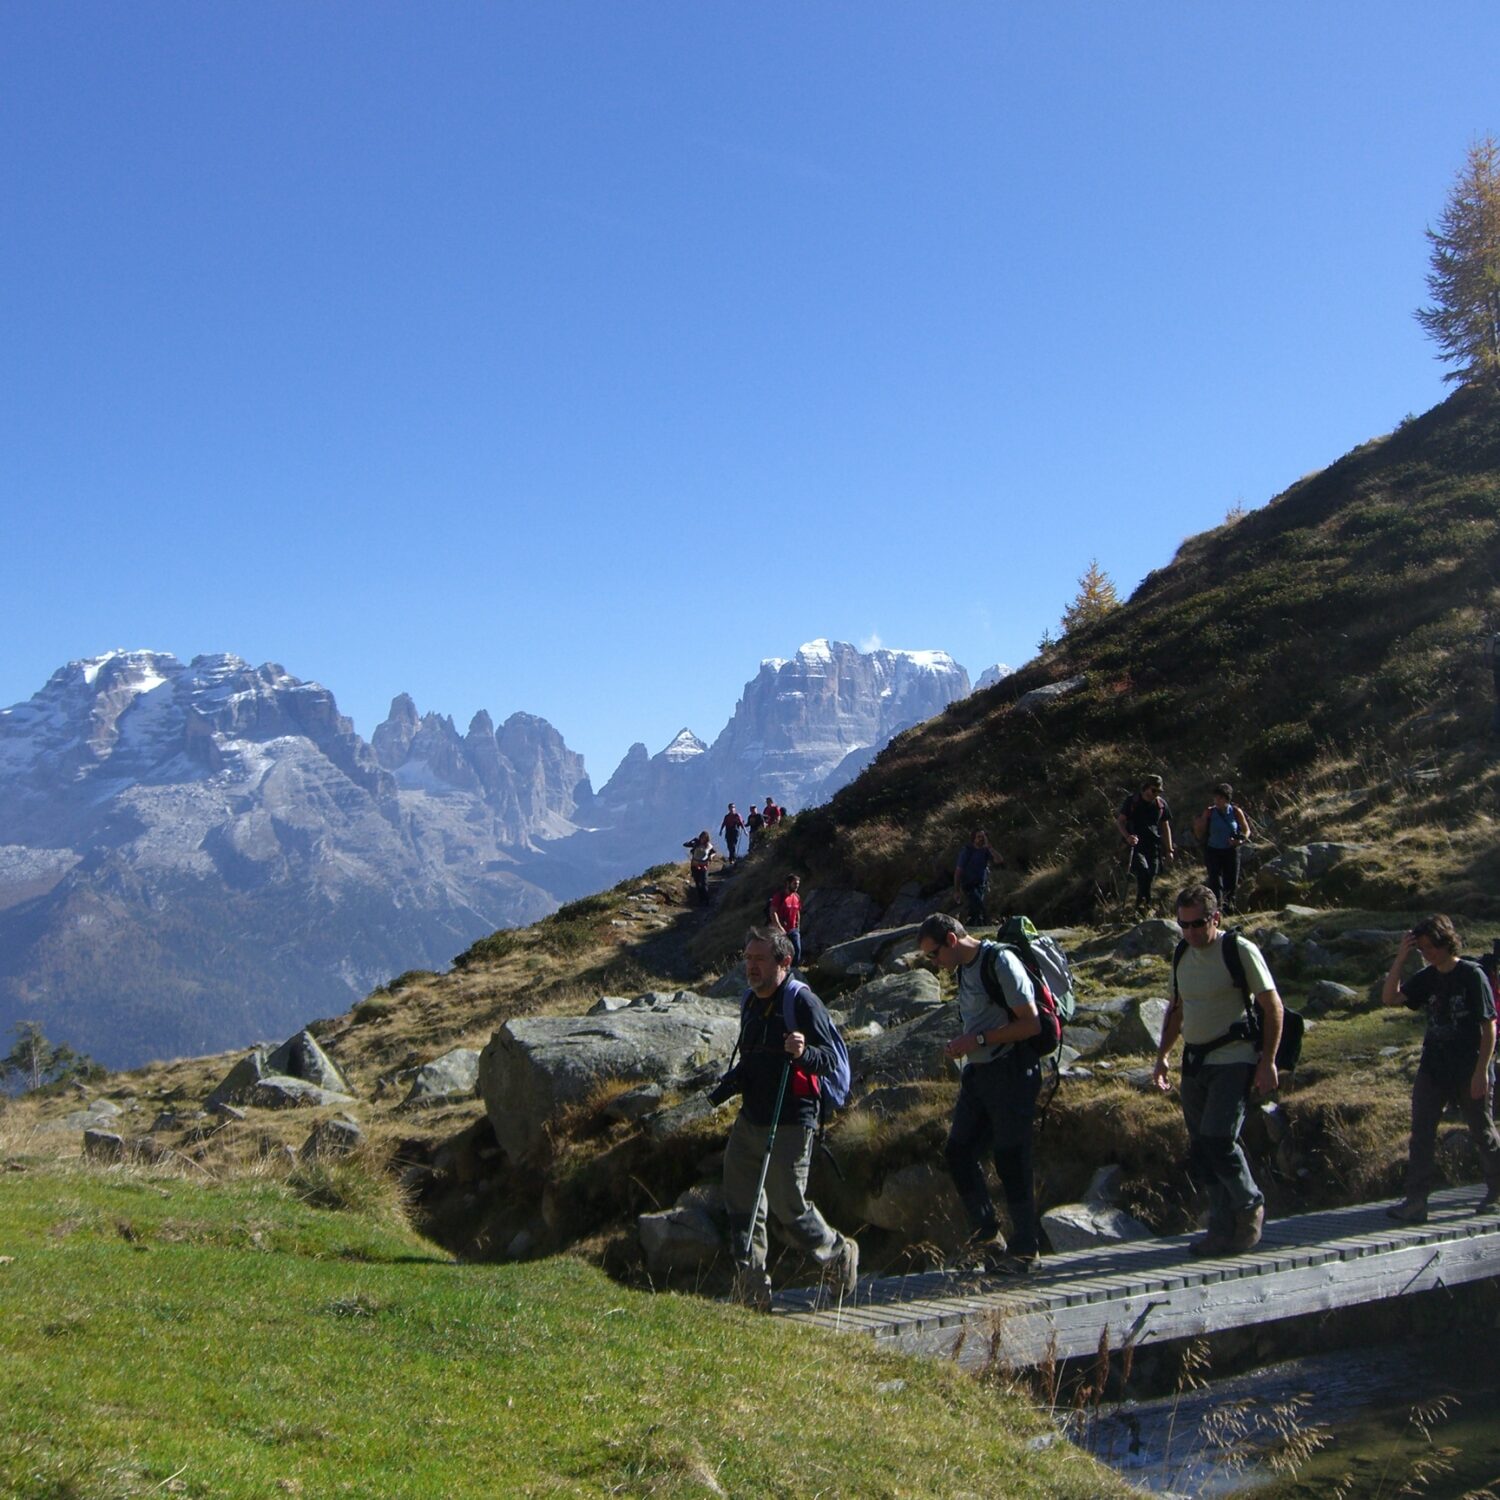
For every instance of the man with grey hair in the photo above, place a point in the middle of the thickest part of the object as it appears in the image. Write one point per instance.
(786, 1047)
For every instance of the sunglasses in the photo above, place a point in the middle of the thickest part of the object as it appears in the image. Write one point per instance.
(1196, 922)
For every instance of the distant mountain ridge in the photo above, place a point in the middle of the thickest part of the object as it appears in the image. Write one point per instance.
(198, 855)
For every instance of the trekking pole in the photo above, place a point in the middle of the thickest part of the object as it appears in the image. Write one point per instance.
(765, 1166)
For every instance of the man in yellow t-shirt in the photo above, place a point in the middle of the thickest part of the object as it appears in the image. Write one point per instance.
(1221, 1063)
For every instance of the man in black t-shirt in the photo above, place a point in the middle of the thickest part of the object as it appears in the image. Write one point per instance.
(1457, 1052)
(1145, 823)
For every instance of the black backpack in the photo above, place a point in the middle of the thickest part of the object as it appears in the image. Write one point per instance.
(1288, 1050)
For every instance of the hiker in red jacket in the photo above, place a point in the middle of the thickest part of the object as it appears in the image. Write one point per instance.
(785, 912)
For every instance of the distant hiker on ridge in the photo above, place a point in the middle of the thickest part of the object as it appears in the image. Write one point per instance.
(997, 1090)
(1222, 828)
(771, 813)
(971, 875)
(730, 828)
(1457, 1052)
(1145, 823)
(767, 1050)
(784, 910)
(700, 852)
(1221, 1061)
(753, 825)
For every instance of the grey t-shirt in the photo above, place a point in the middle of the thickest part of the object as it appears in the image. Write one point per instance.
(976, 1011)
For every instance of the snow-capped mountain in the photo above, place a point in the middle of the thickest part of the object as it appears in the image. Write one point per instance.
(200, 855)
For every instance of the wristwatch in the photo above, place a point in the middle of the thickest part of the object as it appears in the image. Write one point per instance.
(979, 1039)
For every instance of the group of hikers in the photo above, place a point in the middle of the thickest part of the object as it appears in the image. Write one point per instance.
(1224, 1008)
(701, 850)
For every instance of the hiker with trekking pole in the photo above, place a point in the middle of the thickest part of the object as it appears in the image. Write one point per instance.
(789, 1060)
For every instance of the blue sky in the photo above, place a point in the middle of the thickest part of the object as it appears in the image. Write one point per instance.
(573, 357)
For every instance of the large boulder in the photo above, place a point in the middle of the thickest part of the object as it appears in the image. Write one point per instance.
(877, 948)
(1139, 1030)
(301, 1057)
(336, 1137)
(1326, 995)
(894, 998)
(535, 1067)
(908, 1052)
(1156, 937)
(277, 1091)
(1028, 703)
(910, 905)
(685, 1236)
(453, 1076)
(831, 916)
(240, 1082)
(1302, 865)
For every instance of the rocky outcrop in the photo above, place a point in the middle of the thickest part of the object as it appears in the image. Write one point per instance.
(444, 1080)
(535, 1067)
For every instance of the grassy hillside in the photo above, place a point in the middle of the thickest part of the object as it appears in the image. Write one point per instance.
(1316, 652)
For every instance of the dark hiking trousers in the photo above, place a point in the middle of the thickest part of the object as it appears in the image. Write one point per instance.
(732, 839)
(1213, 1109)
(1144, 865)
(1223, 872)
(1428, 1096)
(996, 1112)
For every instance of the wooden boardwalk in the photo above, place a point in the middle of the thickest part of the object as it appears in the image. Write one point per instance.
(1146, 1291)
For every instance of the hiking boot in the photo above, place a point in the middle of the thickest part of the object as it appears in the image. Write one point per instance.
(1409, 1211)
(1490, 1203)
(842, 1272)
(1212, 1243)
(1247, 1228)
(752, 1288)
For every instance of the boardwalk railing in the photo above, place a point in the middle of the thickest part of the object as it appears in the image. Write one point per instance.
(1146, 1291)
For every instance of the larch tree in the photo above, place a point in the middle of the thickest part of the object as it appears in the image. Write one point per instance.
(1464, 319)
(1095, 598)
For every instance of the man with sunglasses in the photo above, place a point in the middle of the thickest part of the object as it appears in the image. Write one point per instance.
(1221, 1064)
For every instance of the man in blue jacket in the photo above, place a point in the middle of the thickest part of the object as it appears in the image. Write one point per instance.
(767, 1048)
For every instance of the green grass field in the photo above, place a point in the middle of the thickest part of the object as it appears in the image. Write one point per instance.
(166, 1337)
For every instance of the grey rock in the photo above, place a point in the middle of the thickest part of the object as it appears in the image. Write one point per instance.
(226, 1111)
(1380, 938)
(239, 1084)
(1140, 1031)
(1294, 913)
(894, 998)
(1080, 1226)
(1325, 996)
(534, 1067)
(706, 1198)
(279, 1092)
(103, 1145)
(1143, 1079)
(1316, 956)
(100, 1113)
(1040, 697)
(831, 916)
(607, 1005)
(165, 1120)
(731, 985)
(1105, 1186)
(1275, 946)
(695, 1110)
(916, 1200)
(522, 1243)
(679, 1239)
(336, 1137)
(300, 1056)
(453, 1076)
(635, 1103)
(1303, 864)
(1156, 937)
(911, 905)
(1085, 1040)
(907, 1052)
(872, 947)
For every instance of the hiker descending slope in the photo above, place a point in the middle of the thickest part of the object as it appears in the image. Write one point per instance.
(971, 876)
(1213, 975)
(701, 853)
(1145, 823)
(997, 1091)
(782, 1072)
(784, 911)
(1222, 828)
(1457, 1052)
(730, 828)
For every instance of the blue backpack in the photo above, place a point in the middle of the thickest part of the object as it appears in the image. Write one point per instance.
(833, 1088)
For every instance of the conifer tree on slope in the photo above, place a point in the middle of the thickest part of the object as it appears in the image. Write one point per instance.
(1464, 319)
(1095, 598)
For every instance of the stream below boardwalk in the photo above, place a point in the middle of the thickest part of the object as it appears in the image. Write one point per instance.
(1389, 1420)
